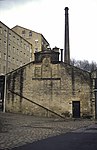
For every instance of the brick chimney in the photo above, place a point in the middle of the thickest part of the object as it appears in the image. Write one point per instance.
(66, 40)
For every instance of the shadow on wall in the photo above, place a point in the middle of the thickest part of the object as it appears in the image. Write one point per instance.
(15, 83)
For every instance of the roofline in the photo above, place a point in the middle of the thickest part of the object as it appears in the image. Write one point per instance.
(32, 31)
(58, 62)
(15, 33)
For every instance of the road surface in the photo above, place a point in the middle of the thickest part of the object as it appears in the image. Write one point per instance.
(80, 139)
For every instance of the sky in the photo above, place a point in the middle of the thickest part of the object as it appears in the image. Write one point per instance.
(48, 18)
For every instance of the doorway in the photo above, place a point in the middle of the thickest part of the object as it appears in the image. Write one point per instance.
(76, 109)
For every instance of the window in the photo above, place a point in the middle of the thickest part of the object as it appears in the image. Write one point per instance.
(25, 46)
(21, 63)
(14, 49)
(36, 49)
(5, 33)
(36, 41)
(18, 42)
(23, 32)
(30, 33)
(9, 47)
(14, 38)
(13, 60)
(5, 44)
(4, 56)
(0, 30)
(0, 42)
(9, 57)
(21, 43)
(0, 54)
(18, 51)
(10, 36)
(8, 97)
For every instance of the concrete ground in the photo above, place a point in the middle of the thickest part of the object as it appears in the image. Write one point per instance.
(19, 130)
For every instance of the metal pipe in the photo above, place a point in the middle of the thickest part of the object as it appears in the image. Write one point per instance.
(6, 71)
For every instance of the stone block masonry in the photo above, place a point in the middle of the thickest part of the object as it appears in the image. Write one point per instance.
(52, 85)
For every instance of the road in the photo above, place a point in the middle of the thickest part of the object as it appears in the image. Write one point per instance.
(23, 131)
(81, 139)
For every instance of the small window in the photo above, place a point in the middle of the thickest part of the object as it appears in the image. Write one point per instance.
(0, 30)
(17, 51)
(9, 57)
(25, 46)
(23, 32)
(9, 47)
(0, 42)
(13, 38)
(10, 36)
(36, 49)
(4, 56)
(28, 48)
(18, 42)
(30, 33)
(14, 49)
(0, 54)
(36, 41)
(5, 44)
(21, 43)
(5, 33)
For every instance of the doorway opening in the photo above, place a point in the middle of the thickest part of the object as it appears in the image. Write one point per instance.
(76, 109)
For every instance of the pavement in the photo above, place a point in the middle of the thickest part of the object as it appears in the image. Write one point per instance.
(80, 140)
(19, 132)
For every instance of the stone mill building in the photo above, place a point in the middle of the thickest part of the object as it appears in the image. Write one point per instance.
(49, 87)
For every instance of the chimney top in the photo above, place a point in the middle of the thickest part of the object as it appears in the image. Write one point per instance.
(66, 8)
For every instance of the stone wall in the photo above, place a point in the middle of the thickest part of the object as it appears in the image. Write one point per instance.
(51, 85)
(94, 92)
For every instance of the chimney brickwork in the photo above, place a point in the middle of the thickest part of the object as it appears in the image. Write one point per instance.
(66, 41)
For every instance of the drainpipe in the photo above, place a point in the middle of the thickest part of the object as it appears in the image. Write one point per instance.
(6, 70)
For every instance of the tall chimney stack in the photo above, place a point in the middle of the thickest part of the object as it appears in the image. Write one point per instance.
(66, 41)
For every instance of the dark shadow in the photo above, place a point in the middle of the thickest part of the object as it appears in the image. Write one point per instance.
(68, 141)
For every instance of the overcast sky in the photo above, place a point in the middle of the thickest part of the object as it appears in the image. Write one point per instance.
(47, 17)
